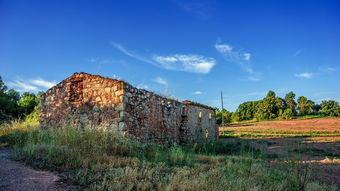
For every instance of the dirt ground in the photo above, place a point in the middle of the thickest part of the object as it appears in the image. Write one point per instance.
(15, 176)
(318, 125)
(321, 153)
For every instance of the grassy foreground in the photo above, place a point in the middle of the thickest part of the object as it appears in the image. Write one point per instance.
(96, 160)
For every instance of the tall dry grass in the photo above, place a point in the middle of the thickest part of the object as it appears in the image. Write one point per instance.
(96, 160)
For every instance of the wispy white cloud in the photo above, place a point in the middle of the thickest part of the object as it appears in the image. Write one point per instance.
(178, 62)
(22, 86)
(122, 49)
(247, 56)
(224, 49)
(43, 83)
(322, 70)
(238, 57)
(131, 54)
(327, 69)
(188, 63)
(164, 83)
(233, 56)
(161, 81)
(34, 85)
(306, 75)
(197, 93)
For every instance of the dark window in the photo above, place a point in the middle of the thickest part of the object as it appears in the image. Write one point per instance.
(76, 91)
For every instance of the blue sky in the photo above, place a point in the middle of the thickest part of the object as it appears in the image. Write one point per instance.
(186, 49)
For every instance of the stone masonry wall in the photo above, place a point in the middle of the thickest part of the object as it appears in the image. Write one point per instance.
(201, 123)
(91, 101)
(83, 100)
(152, 117)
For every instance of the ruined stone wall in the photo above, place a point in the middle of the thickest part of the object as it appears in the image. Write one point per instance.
(149, 116)
(83, 100)
(201, 123)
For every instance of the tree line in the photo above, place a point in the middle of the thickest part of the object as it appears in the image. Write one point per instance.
(14, 105)
(274, 107)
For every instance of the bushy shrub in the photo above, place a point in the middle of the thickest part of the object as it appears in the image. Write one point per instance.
(226, 116)
(287, 114)
(330, 108)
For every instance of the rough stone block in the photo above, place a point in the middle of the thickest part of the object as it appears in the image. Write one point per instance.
(107, 90)
(98, 99)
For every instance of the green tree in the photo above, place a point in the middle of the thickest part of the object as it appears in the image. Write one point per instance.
(316, 107)
(8, 106)
(27, 103)
(287, 114)
(305, 106)
(246, 110)
(13, 95)
(3, 87)
(13, 106)
(271, 94)
(269, 107)
(310, 106)
(290, 100)
(226, 116)
(235, 117)
(330, 108)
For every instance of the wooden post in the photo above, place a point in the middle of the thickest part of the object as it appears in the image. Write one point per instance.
(222, 109)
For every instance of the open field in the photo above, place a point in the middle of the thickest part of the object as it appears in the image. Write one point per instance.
(315, 142)
(319, 127)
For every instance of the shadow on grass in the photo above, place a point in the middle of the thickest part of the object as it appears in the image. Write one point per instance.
(322, 153)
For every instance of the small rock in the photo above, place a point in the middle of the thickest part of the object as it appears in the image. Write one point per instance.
(98, 99)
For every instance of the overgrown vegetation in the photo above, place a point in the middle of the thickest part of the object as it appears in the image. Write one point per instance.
(14, 106)
(97, 160)
(273, 107)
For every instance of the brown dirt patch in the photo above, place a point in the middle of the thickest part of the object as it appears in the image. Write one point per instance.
(15, 176)
(319, 125)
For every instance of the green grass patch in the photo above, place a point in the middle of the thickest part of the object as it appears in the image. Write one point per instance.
(97, 160)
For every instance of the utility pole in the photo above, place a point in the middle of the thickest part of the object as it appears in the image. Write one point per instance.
(222, 108)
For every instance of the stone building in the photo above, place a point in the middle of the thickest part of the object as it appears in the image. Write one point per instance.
(85, 100)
